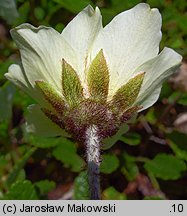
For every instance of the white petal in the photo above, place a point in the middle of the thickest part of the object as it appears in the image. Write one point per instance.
(17, 75)
(150, 99)
(39, 124)
(81, 33)
(42, 50)
(128, 41)
(156, 71)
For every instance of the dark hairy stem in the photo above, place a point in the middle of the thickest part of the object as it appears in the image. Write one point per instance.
(93, 161)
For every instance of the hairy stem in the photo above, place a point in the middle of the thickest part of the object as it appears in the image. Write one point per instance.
(93, 161)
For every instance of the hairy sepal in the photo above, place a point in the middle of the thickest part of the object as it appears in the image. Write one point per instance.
(71, 85)
(53, 117)
(127, 94)
(52, 96)
(98, 78)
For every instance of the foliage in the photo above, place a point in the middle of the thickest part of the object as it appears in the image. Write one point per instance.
(145, 160)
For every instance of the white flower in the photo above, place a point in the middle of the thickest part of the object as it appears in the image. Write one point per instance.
(128, 46)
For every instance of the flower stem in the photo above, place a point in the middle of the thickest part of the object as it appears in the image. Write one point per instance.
(93, 161)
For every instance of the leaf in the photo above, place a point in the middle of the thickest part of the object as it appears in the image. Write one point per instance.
(8, 10)
(166, 91)
(81, 187)
(72, 89)
(166, 167)
(180, 153)
(21, 99)
(24, 10)
(130, 169)
(175, 136)
(174, 97)
(39, 13)
(179, 148)
(131, 139)
(109, 164)
(121, 5)
(107, 15)
(151, 116)
(66, 153)
(41, 142)
(183, 100)
(4, 65)
(73, 5)
(21, 190)
(4, 127)
(110, 141)
(112, 194)
(45, 186)
(98, 78)
(127, 94)
(39, 124)
(6, 98)
(12, 177)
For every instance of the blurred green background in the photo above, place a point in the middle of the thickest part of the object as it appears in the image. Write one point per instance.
(148, 160)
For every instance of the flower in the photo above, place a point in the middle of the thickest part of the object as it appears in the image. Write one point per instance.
(89, 74)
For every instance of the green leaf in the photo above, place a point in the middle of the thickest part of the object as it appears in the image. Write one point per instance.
(8, 10)
(127, 94)
(4, 65)
(4, 127)
(110, 141)
(66, 153)
(131, 139)
(179, 148)
(41, 142)
(175, 136)
(6, 98)
(52, 96)
(151, 116)
(112, 194)
(72, 89)
(73, 5)
(39, 13)
(121, 5)
(130, 169)
(183, 99)
(98, 78)
(24, 10)
(13, 176)
(166, 91)
(81, 187)
(166, 167)
(21, 99)
(174, 97)
(45, 186)
(180, 153)
(109, 164)
(21, 190)
(107, 15)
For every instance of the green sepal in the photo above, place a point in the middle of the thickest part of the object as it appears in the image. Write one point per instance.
(127, 94)
(98, 78)
(52, 96)
(71, 85)
(133, 109)
(53, 117)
